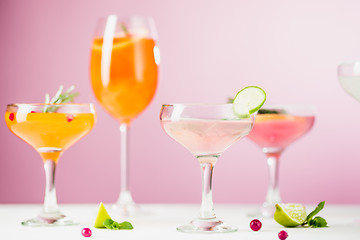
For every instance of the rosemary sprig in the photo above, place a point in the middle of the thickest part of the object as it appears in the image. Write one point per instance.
(60, 97)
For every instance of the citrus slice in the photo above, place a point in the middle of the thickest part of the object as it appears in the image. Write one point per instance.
(248, 101)
(101, 216)
(290, 215)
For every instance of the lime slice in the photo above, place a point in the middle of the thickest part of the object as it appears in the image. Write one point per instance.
(290, 215)
(101, 216)
(248, 101)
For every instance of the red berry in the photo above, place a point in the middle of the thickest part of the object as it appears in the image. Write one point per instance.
(86, 232)
(69, 118)
(11, 116)
(255, 225)
(32, 112)
(283, 235)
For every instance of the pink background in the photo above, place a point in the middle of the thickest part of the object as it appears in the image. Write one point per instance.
(209, 50)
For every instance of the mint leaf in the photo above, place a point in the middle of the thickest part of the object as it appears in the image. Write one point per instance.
(319, 207)
(126, 225)
(115, 225)
(108, 223)
(111, 224)
(318, 222)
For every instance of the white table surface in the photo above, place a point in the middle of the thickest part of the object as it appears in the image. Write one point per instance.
(161, 220)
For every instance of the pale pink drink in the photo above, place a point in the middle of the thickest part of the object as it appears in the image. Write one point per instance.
(274, 129)
(206, 138)
(206, 131)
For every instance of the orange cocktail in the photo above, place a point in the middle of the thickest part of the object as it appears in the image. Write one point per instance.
(124, 73)
(50, 129)
(50, 133)
(127, 85)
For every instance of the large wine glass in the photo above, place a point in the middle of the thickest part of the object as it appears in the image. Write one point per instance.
(206, 131)
(275, 128)
(124, 72)
(50, 129)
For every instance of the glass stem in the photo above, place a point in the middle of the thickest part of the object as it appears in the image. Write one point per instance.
(50, 202)
(125, 195)
(273, 194)
(207, 166)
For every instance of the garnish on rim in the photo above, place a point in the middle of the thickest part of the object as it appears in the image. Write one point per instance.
(248, 101)
(60, 97)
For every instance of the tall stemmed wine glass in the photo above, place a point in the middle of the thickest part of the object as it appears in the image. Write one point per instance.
(206, 131)
(124, 72)
(50, 129)
(275, 128)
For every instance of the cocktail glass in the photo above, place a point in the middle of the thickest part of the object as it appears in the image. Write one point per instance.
(349, 78)
(50, 129)
(206, 131)
(124, 71)
(274, 129)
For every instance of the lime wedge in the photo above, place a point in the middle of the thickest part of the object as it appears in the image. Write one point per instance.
(101, 216)
(248, 101)
(290, 215)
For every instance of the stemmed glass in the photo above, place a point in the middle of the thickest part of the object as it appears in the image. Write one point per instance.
(275, 128)
(206, 131)
(50, 129)
(349, 78)
(124, 71)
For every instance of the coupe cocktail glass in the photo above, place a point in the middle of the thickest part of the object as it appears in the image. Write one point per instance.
(349, 78)
(50, 129)
(274, 129)
(124, 71)
(206, 131)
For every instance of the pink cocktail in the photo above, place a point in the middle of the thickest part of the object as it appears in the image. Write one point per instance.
(274, 129)
(206, 131)
(204, 137)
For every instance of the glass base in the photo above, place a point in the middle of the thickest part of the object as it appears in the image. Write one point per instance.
(126, 210)
(212, 225)
(50, 219)
(126, 207)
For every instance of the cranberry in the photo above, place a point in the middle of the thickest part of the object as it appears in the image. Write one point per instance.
(11, 116)
(283, 235)
(86, 232)
(69, 118)
(255, 225)
(32, 112)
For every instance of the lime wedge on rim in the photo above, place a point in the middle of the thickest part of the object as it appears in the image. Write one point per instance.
(248, 100)
(290, 215)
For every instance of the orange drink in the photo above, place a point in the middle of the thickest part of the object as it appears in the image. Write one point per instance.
(127, 85)
(50, 130)
(124, 72)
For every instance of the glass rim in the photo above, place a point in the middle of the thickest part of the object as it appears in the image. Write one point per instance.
(196, 104)
(104, 17)
(348, 62)
(270, 105)
(49, 104)
(287, 105)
